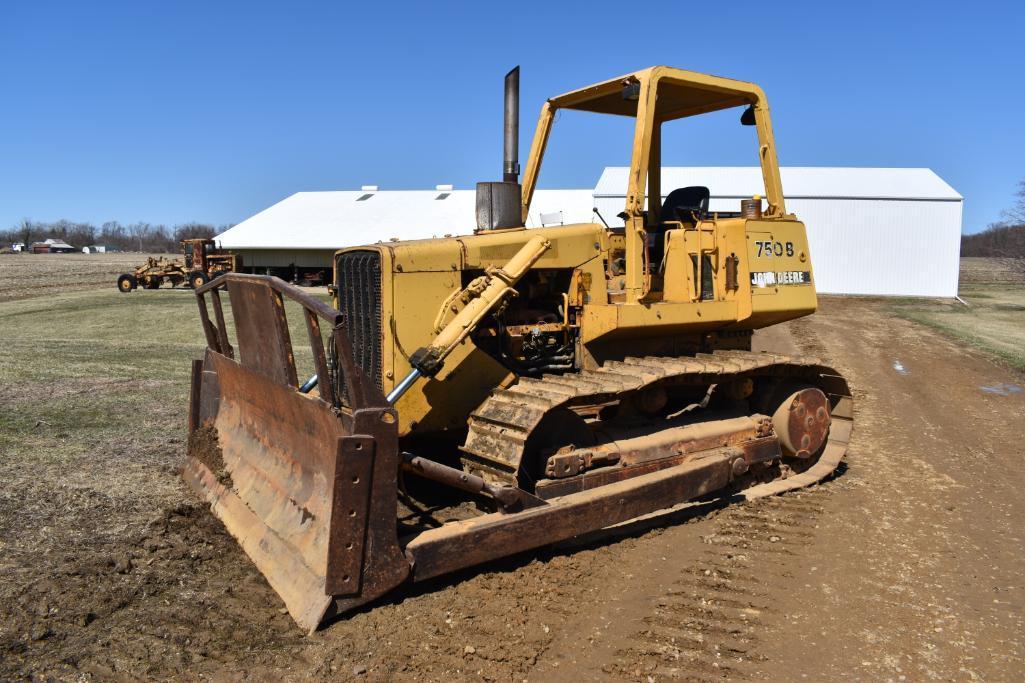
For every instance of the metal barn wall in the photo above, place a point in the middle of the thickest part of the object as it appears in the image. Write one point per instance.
(888, 247)
(883, 247)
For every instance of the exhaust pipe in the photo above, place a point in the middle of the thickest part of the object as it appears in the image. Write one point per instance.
(498, 203)
(511, 166)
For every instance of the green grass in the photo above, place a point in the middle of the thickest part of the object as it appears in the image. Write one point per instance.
(993, 321)
(92, 365)
(93, 408)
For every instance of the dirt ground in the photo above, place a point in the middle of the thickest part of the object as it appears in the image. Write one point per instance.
(907, 565)
(24, 276)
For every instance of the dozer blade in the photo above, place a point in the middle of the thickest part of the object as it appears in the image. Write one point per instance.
(306, 483)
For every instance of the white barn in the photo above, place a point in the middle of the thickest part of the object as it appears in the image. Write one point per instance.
(880, 231)
(306, 228)
(877, 231)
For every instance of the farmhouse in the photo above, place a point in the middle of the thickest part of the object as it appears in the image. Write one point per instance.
(849, 212)
(52, 246)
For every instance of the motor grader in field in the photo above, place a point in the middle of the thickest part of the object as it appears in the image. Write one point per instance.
(473, 397)
(201, 263)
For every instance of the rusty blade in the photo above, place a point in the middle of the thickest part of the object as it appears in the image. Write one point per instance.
(267, 464)
(308, 489)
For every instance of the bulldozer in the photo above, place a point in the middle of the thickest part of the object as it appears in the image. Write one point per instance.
(473, 397)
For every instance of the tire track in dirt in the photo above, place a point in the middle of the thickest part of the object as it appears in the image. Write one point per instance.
(694, 603)
(705, 624)
(916, 572)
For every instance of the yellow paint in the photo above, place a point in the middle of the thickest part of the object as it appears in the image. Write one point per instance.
(618, 311)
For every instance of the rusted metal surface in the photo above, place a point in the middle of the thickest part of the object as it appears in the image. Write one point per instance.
(279, 453)
(308, 490)
(757, 450)
(195, 387)
(262, 331)
(648, 442)
(685, 439)
(383, 566)
(463, 544)
(802, 422)
(319, 357)
(354, 476)
(221, 330)
(508, 497)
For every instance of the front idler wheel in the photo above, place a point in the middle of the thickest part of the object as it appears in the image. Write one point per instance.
(802, 421)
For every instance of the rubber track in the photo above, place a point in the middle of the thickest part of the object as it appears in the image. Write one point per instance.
(500, 427)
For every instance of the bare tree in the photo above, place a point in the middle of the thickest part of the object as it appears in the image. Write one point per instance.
(1003, 240)
(140, 236)
(193, 230)
(25, 229)
(1016, 214)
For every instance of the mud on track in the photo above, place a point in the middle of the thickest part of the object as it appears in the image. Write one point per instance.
(908, 563)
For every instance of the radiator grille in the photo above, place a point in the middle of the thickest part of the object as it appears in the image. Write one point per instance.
(359, 298)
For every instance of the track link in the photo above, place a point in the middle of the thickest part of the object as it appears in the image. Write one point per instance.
(500, 428)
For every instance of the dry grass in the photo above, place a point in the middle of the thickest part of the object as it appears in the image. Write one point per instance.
(989, 271)
(24, 276)
(993, 319)
(94, 389)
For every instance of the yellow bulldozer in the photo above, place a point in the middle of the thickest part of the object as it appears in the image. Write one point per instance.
(478, 396)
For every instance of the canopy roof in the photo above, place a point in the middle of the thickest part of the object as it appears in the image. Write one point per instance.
(736, 182)
(680, 93)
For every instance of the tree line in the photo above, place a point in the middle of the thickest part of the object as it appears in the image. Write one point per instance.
(145, 237)
(1004, 239)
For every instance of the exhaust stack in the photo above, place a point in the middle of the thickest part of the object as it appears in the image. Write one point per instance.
(498, 203)
(511, 166)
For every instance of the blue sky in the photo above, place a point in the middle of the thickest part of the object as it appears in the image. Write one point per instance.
(211, 111)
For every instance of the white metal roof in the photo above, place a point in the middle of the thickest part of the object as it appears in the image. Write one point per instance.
(798, 182)
(331, 220)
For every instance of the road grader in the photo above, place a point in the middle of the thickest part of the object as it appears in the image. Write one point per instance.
(201, 263)
(472, 397)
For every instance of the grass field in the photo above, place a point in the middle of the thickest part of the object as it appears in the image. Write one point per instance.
(24, 276)
(89, 374)
(993, 316)
(93, 403)
(89, 360)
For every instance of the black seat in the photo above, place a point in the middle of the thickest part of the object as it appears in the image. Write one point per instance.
(681, 205)
(683, 202)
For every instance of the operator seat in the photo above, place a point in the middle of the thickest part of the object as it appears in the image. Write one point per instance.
(682, 204)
